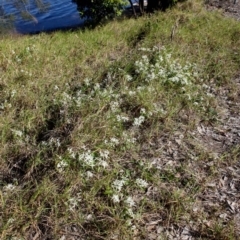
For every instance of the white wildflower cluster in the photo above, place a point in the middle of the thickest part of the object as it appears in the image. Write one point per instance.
(208, 90)
(128, 77)
(87, 158)
(131, 93)
(122, 118)
(78, 98)
(164, 69)
(128, 138)
(62, 165)
(90, 159)
(30, 49)
(104, 154)
(118, 196)
(13, 93)
(26, 52)
(141, 183)
(115, 106)
(73, 202)
(17, 133)
(18, 59)
(130, 202)
(112, 142)
(142, 65)
(103, 163)
(89, 174)
(96, 87)
(143, 111)
(55, 142)
(147, 49)
(9, 188)
(72, 153)
(159, 109)
(66, 99)
(87, 81)
(25, 73)
(118, 184)
(115, 198)
(138, 121)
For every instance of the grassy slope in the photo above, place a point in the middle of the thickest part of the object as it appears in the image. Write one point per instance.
(65, 141)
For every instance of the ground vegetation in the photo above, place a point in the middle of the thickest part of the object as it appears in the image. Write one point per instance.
(127, 131)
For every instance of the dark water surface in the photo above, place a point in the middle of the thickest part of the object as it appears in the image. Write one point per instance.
(59, 14)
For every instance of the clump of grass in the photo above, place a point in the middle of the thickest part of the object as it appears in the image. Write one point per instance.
(87, 120)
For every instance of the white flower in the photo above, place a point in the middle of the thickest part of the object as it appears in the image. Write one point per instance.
(104, 154)
(97, 86)
(143, 111)
(61, 166)
(87, 81)
(72, 204)
(210, 94)
(18, 133)
(128, 77)
(131, 140)
(121, 118)
(55, 141)
(138, 121)
(129, 201)
(131, 93)
(118, 184)
(114, 106)
(10, 220)
(130, 212)
(141, 183)
(89, 217)
(114, 142)
(115, 198)
(87, 158)
(89, 174)
(71, 152)
(13, 93)
(103, 163)
(133, 227)
(145, 49)
(58, 143)
(9, 188)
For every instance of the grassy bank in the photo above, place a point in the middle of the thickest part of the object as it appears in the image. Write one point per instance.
(99, 128)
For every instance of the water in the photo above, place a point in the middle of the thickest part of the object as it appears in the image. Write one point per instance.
(59, 14)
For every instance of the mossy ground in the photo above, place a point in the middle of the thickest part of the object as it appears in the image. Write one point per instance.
(96, 144)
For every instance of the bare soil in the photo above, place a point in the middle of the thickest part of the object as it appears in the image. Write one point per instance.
(230, 7)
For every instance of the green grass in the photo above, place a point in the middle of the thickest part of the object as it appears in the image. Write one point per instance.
(80, 141)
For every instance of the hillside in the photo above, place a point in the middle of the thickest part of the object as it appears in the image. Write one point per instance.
(126, 131)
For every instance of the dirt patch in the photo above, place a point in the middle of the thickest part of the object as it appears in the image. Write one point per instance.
(206, 158)
(230, 7)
